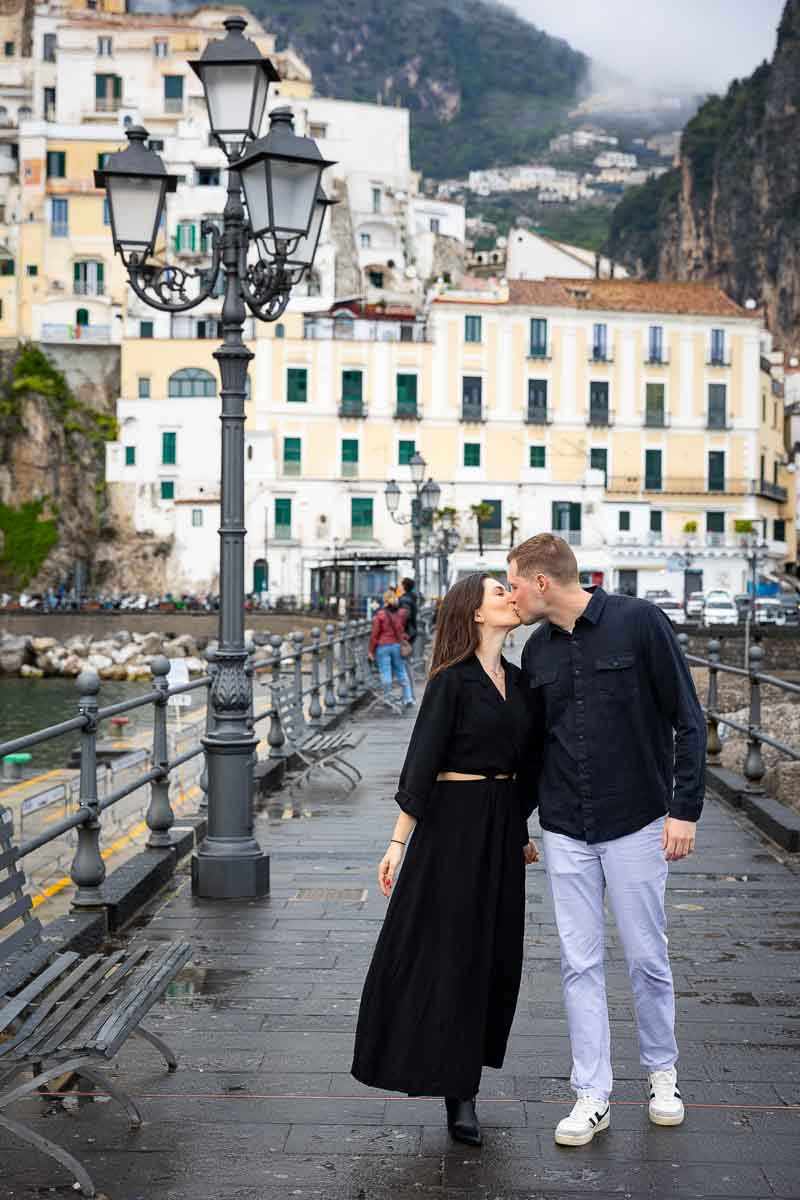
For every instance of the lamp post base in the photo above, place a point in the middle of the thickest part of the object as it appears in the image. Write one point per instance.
(233, 876)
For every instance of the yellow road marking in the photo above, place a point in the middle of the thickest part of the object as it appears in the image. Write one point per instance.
(27, 782)
(130, 836)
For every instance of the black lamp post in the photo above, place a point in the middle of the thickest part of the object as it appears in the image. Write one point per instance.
(425, 500)
(265, 250)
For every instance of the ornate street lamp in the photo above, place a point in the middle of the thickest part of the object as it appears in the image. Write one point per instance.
(264, 252)
(425, 500)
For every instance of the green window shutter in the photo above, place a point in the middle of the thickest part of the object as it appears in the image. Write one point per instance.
(652, 469)
(178, 238)
(655, 521)
(598, 459)
(291, 449)
(349, 450)
(406, 392)
(100, 86)
(538, 456)
(101, 276)
(405, 452)
(352, 387)
(117, 87)
(192, 237)
(716, 470)
(472, 329)
(130, 456)
(77, 272)
(297, 385)
(715, 522)
(624, 521)
(167, 489)
(283, 516)
(169, 449)
(472, 454)
(360, 518)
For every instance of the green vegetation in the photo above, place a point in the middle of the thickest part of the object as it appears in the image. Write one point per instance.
(637, 222)
(34, 373)
(483, 85)
(586, 225)
(28, 538)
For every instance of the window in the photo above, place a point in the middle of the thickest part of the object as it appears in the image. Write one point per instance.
(600, 343)
(145, 329)
(173, 93)
(566, 521)
(56, 164)
(624, 520)
(652, 471)
(375, 278)
(537, 401)
(655, 343)
(472, 329)
(7, 266)
(49, 104)
(197, 518)
(715, 522)
(186, 237)
(654, 406)
(360, 518)
(376, 199)
(10, 49)
(656, 520)
(107, 93)
(292, 451)
(160, 48)
(106, 211)
(365, 241)
(208, 176)
(88, 278)
(405, 452)
(492, 525)
(130, 456)
(104, 47)
(598, 461)
(352, 393)
(144, 387)
(317, 130)
(717, 347)
(406, 395)
(297, 385)
(82, 318)
(471, 398)
(169, 449)
(49, 47)
(283, 517)
(349, 457)
(716, 405)
(763, 407)
(779, 529)
(472, 454)
(156, 144)
(716, 470)
(598, 404)
(538, 457)
(32, 270)
(538, 337)
(192, 381)
(434, 225)
(167, 489)
(59, 217)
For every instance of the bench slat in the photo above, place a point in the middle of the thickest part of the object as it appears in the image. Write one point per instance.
(39, 1015)
(18, 968)
(107, 980)
(35, 988)
(14, 882)
(12, 913)
(139, 998)
(30, 931)
(143, 960)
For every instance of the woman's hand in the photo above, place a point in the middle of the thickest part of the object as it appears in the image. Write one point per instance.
(529, 853)
(388, 867)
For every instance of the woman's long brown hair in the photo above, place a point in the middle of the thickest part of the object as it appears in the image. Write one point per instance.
(457, 634)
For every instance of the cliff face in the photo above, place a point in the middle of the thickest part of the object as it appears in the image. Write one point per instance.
(730, 212)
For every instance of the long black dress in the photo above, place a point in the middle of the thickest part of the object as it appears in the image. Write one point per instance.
(442, 988)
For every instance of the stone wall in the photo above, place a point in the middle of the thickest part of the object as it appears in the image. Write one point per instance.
(200, 626)
(781, 648)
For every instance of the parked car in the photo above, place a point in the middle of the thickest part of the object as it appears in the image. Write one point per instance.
(694, 605)
(717, 594)
(674, 610)
(790, 603)
(769, 611)
(720, 612)
(656, 594)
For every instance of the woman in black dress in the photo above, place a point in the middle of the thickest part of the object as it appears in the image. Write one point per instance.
(442, 988)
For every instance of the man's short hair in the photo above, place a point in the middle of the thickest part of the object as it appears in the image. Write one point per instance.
(546, 554)
(408, 585)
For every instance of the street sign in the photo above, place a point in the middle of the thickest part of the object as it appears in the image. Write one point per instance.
(178, 675)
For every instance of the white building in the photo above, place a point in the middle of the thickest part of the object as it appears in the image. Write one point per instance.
(530, 255)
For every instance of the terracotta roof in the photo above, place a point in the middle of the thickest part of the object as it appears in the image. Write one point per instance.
(627, 295)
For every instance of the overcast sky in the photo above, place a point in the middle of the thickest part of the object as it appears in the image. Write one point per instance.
(696, 45)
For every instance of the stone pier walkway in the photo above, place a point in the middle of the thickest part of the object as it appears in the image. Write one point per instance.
(263, 1107)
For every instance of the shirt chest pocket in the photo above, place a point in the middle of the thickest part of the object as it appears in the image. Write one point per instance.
(548, 687)
(616, 676)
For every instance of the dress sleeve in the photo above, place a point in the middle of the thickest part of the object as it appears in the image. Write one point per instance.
(531, 768)
(425, 756)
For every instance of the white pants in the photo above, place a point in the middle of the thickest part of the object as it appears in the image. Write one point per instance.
(634, 871)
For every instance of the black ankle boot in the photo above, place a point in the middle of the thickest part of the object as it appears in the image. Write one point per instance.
(462, 1120)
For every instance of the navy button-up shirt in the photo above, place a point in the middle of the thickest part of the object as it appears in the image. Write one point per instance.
(623, 737)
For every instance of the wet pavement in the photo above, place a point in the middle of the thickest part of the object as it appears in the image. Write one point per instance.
(263, 1107)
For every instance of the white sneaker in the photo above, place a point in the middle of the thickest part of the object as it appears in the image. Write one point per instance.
(666, 1106)
(588, 1117)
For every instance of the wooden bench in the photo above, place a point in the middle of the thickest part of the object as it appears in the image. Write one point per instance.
(60, 1013)
(314, 747)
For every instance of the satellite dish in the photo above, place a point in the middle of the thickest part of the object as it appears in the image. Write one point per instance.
(750, 303)
(794, 361)
(411, 272)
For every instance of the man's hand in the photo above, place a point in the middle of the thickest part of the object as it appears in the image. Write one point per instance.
(529, 853)
(678, 838)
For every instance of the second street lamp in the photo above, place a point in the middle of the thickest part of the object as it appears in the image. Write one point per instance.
(425, 500)
(283, 205)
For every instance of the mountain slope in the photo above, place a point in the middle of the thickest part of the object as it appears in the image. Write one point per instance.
(483, 86)
(730, 212)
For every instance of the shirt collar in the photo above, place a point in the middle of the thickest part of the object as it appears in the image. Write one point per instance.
(592, 612)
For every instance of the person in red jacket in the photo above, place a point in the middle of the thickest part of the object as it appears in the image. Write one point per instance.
(388, 635)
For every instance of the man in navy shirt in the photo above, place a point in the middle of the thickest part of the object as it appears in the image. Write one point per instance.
(618, 778)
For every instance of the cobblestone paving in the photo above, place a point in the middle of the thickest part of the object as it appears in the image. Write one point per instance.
(263, 1107)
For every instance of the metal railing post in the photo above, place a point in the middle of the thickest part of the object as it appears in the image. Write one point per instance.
(298, 639)
(276, 738)
(330, 669)
(342, 696)
(713, 741)
(160, 817)
(754, 769)
(350, 636)
(203, 805)
(88, 869)
(314, 705)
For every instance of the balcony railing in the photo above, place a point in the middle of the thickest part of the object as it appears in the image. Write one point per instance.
(292, 468)
(283, 533)
(173, 104)
(540, 352)
(328, 329)
(361, 533)
(571, 536)
(472, 413)
(538, 416)
(719, 360)
(600, 416)
(653, 483)
(720, 424)
(108, 104)
(352, 408)
(407, 412)
(601, 355)
(657, 360)
(90, 334)
(349, 470)
(772, 491)
(656, 420)
(82, 287)
(687, 486)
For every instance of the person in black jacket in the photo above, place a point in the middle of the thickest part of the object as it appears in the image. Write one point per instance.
(442, 988)
(618, 780)
(409, 600)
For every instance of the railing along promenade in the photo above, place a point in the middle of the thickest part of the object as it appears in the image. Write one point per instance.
(338, 674)
(753, 767)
